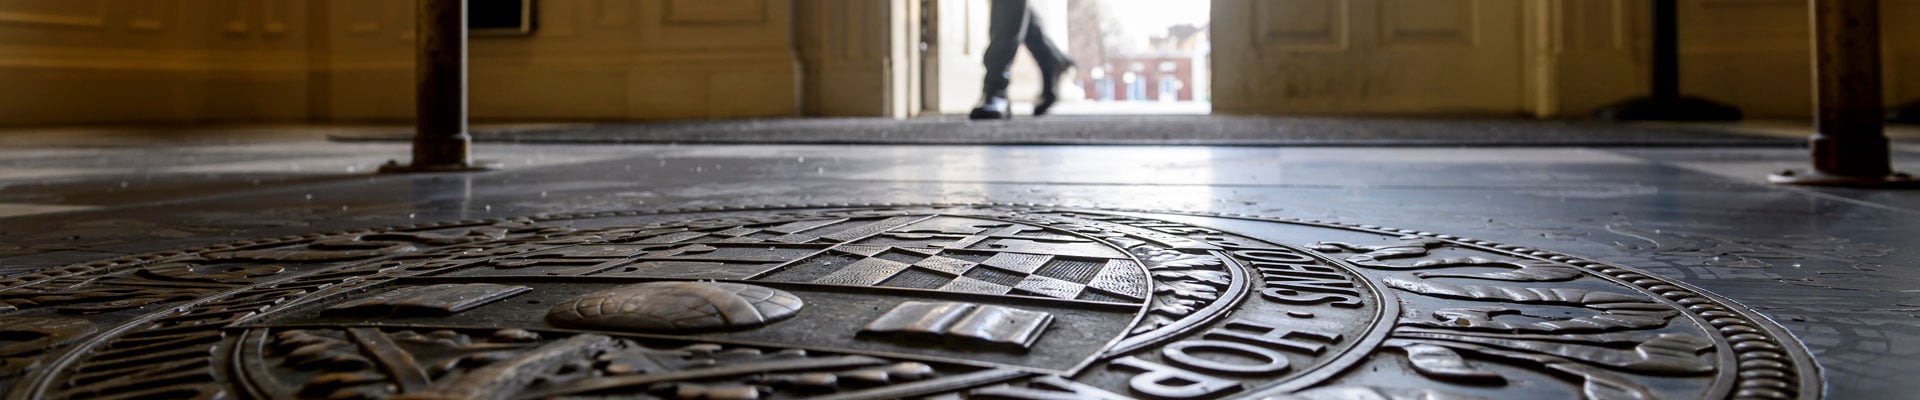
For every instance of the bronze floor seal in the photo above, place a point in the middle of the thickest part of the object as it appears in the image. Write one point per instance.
(881, 301)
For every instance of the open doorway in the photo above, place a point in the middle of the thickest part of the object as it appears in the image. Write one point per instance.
(1140, 57)
(1134, 57)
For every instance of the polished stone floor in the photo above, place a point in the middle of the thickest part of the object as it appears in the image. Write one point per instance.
(1834, 266)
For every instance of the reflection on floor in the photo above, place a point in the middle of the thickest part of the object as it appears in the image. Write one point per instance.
(1834, 266)
(1090, 107)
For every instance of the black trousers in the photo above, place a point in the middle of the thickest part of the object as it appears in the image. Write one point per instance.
(1012, 25)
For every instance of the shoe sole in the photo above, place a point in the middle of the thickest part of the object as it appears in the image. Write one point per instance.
(983, 116)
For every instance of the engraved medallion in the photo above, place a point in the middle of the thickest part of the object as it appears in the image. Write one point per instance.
(876, 302)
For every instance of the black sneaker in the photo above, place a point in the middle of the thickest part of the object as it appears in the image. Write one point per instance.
(993, 107)
(1048, 88)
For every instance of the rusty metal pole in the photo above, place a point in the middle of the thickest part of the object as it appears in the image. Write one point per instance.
(1849, 145)
(440, 141)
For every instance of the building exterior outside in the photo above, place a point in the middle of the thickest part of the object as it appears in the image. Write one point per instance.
(1167, 66)
(1164, 78)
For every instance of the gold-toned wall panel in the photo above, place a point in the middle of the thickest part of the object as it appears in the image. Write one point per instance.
(357, 17)
(844, 45)
(1753, 54)
(1301, 23)
(146, 15)
(560, 18)
(1591, 25)
(562, 93)
(716, 11)
(859, 35)
(1369, 56)
(1591, 60)
(586, 59)
(1428, 22)
(614, 12)
(367, 31)
(276, 16)
(660, 25)
(132, 61)
(1744, 25)
(75, 13)
(100, 61)
(399, 15)
(94, 96)
(232, 15)
(1902, 44)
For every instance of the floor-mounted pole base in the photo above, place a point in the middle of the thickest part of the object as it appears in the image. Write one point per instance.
(395, 167)
(1905, 114)
(1683, 108)
(1896, 180)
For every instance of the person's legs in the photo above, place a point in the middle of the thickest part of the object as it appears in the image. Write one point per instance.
(1053, 64)
(1005, 30)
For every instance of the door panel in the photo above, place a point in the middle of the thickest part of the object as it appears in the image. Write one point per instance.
(1368, 56)
(1427, 22)
(1301, 24)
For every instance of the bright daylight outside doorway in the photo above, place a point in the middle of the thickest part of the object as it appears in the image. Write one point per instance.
(1139, 57)
(1134, 57)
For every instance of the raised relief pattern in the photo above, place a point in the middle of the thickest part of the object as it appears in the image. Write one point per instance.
(677, 306)
(880, 302)
(962, 324)
(443, 299)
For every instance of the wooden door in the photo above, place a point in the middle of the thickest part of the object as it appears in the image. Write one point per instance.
(1369, 57)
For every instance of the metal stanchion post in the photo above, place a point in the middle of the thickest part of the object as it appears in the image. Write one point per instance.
(1849, 146)
(440, 141)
